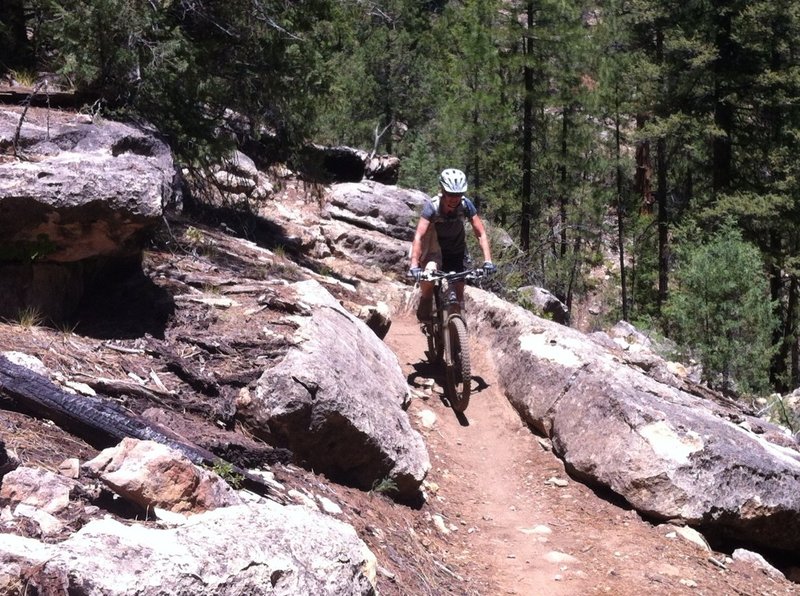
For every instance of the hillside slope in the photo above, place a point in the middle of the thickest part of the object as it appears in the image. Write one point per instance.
(501, 514)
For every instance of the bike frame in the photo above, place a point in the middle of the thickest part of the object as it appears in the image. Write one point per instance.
(445, 299)
(447, 326)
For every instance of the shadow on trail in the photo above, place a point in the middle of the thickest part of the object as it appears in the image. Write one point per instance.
(426, 371)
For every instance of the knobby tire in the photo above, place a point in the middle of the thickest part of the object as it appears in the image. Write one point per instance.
(459, 374)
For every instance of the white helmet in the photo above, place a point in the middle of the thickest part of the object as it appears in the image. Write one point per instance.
(453, 181)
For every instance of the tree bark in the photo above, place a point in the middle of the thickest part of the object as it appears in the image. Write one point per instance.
(663, 215)
(620, 211)
(722, 153)
(562, 199)
(527, 136)
(663, 224)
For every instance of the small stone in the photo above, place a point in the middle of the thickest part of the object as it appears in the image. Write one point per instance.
(438, 522)
(170, 518)
(302, 499)
(541, 530)
(71, 468)
(689, 583)
(693, 536)
(329, 506)
(555, 481)
(757, 561)
(386, 573)
(431, 487)
(48, 524)
(427, 418)
(557, 557)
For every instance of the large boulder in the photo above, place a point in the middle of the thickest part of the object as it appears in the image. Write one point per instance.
(369, 205)
(544, 303)
(255, 549)
(85, 190)
(336, 401)
(38, 488)
(670, 453)
(81, 192)
(347, 164)
(152, 475)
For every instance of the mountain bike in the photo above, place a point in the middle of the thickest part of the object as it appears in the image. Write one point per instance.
(447, 335)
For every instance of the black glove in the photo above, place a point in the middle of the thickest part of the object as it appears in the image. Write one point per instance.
(415, 273)
(489, 267)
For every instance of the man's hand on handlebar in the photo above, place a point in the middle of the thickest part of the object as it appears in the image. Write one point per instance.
(415, 273)
(489, 268)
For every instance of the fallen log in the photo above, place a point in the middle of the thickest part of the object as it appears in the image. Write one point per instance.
(99, 422)
(44, 99)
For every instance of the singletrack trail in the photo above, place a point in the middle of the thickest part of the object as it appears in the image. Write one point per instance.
(518, 523)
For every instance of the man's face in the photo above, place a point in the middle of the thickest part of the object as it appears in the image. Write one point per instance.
(451, 200)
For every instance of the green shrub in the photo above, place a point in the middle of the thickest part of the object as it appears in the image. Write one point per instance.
(720, 311)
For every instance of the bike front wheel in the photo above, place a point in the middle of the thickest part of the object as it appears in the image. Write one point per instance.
(459, 374)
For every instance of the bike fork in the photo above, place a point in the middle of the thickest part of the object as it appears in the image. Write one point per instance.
(448, 353)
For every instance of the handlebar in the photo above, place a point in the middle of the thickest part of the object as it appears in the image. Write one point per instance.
(471, 274)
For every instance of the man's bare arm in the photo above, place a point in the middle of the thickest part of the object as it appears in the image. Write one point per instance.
(483, 239)
(416, 245)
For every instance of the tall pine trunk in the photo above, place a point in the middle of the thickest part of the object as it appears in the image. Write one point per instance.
(661, 200)
(562, 195)
(527, 136)
(663, 223)
(620, 214)
(722, 154)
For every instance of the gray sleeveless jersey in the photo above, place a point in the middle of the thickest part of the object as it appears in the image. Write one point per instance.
(449, 228)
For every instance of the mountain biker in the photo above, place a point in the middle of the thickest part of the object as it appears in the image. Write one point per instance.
(443, 245)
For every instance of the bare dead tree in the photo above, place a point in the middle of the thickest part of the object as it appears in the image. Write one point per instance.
(27, 104)
(378, 137)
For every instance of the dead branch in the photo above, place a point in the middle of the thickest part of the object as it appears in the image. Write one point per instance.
(197, 380)
(26, 105)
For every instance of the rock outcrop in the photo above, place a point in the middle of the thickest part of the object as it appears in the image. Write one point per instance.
(85, 190)
(372, 223)
(545, 303)
(669, 453)
(253, 549)
(347, 164)
(82, 192)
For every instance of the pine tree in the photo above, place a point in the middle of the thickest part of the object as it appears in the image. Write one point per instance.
(720, 309)
(764, 196)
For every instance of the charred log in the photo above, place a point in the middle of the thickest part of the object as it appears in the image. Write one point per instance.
(99, 422)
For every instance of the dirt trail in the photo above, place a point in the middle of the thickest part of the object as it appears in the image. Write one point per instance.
(521, 524)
